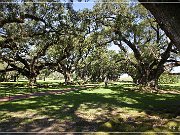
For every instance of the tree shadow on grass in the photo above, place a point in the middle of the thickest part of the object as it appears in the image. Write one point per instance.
(18, 124)
(61, 107)
(73, 111)
(151, 102)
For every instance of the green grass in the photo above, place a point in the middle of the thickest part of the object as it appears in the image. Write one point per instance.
(14, 88)
(175, 86)
(116, 108)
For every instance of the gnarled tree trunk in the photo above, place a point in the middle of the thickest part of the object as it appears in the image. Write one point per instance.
(32, 81)
(149, 77)
(67, 77)
(32, 78)
(148, 80)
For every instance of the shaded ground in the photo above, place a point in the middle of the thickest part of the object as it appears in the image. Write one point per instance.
(19, 88)
(43, 93)
(116, 108)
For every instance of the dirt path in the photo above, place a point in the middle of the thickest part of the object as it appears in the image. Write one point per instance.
(54, 92)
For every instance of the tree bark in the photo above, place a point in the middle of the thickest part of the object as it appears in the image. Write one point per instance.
(167, 16)
(148, 80)
(67, 77)
(32, 81)
(15, 78)
(149, 77)
(2, 77)
(32, 76)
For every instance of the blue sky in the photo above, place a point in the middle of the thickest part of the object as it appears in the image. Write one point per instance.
(82, 5)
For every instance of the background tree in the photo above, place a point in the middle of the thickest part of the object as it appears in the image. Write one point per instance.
(28, 30)
(73, 46)
(135, 31)
(100, 64)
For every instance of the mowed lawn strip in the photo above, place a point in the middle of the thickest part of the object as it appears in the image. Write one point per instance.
(116, 108)
(21, 88)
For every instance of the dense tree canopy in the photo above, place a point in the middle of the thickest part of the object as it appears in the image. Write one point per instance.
(145, 46)
(28, 30)
(37, 37)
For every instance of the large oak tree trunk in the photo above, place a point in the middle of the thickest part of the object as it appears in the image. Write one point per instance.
(67, 77)
(2, 77)
(167, 16)
(32, 77)
(32, 81)
(14, 78)
(148, 80)
(149, 77)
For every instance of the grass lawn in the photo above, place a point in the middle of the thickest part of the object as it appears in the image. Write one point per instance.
(19, 88)
(117, 108)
